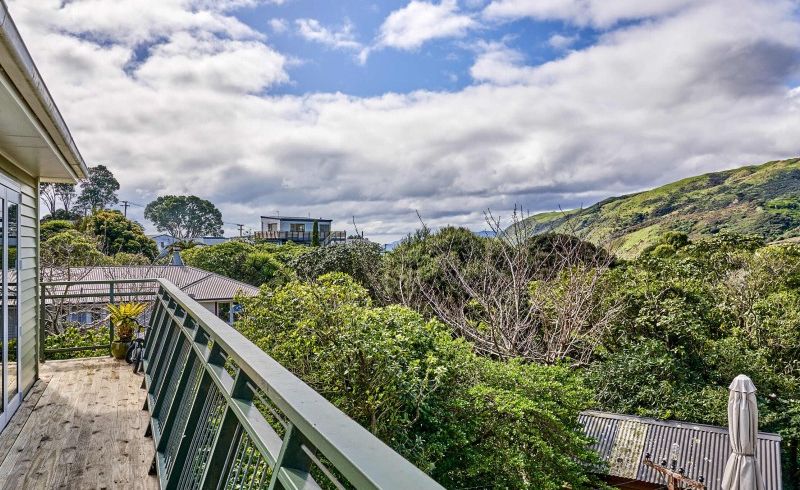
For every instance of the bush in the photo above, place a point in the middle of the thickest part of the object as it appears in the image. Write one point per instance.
(77, 336)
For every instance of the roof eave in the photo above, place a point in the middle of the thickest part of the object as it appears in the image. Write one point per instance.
(18, 65)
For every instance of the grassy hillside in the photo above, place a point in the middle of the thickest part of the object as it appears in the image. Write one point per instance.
(762, 199)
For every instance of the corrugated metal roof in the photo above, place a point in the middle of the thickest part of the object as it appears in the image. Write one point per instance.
(201, 284)
(702, 450)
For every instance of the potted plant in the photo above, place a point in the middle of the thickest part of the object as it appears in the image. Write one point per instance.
(123, 317)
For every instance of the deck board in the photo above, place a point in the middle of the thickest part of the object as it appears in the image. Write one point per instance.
(81, 426)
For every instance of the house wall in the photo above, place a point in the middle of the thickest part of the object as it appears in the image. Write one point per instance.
(28, 252)
(286, 225)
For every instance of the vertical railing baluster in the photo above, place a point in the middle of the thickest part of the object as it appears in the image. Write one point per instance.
(162, 339)
(181, 455)
(110, 323)
(171, 369)
(291, 456)
(218, 465)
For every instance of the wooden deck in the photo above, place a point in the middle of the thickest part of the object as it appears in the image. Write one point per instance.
(81, 426)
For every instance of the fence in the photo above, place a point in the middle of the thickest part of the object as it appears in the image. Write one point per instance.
(226, 415)
(83, 305)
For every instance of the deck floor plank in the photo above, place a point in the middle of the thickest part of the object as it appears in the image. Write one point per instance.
(81, 426)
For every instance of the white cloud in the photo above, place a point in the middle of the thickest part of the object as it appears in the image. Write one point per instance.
(278, 26)
(341, 38)
(601, 13)
(700, 89)
(559, 41)
(500, 65)
(418, 22)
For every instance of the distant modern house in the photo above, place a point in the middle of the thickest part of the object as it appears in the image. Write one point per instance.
(164, 241)
(624, 442)
(213, 291)
(282, 229)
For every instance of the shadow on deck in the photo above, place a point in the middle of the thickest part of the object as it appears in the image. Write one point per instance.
(81, 426)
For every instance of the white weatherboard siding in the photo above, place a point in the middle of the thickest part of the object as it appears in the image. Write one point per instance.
(28, 253)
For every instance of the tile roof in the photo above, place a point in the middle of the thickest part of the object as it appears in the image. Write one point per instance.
(199, 283)
(624, 440)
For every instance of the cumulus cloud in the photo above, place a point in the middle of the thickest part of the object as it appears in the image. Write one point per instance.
(701, 88)
(337, 38)
(418, 22)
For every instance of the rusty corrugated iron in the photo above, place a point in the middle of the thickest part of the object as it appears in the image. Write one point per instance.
(702, 450)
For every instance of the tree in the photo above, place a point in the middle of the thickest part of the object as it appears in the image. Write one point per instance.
(98, 191)
(360, 259)
(315, 234)
(469, 422)
(253, 264)
(49, 196)
(116, 233)
(54, 227)
(537, 298)
(185, 217)
(62, 214)
(66, 193)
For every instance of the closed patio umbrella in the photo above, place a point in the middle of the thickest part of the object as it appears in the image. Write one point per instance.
(742, 471)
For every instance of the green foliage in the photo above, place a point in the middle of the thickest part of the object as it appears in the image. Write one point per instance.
(77, 336)
(466, 420)
(762, 200)
(185, 217)
(315, 234)
(253, 264)
(71, 248)
(99, 191)
(49, 228)
(62, 214)
(124, 317)
(116, 233)
(696, 317)
(361, 259)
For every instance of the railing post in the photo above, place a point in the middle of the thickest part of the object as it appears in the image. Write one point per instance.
(42, 324)
(110, 323)
(291, 457)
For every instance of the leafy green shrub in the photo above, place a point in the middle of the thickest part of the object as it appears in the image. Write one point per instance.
(77, 336)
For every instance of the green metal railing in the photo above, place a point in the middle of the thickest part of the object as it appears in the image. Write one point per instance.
(59, 299)
(225, 415)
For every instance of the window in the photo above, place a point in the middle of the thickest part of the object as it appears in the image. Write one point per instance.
(298, 228)
(272, 226)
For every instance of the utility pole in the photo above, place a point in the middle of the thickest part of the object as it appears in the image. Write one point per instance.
(240, 230)
(125, 208)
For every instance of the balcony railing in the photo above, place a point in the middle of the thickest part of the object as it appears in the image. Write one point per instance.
(224, 414)
(300, 236)
(83, 305)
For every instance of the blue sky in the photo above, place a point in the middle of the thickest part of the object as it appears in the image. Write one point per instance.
(439, 65)
(380, 111)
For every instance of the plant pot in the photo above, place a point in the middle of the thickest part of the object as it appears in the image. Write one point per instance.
(119, 349)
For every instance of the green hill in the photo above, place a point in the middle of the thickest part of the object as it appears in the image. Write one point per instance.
(761, 199)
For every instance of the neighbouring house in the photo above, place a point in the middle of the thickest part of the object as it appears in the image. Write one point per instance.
(625, 441)
(282, 229)
(164, 241)
(215, 292)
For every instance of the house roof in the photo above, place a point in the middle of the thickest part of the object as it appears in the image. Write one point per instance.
(198, 283)
(298, 218)
(702, 450)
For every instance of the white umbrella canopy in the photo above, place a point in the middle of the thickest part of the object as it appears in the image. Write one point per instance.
(742, 471)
